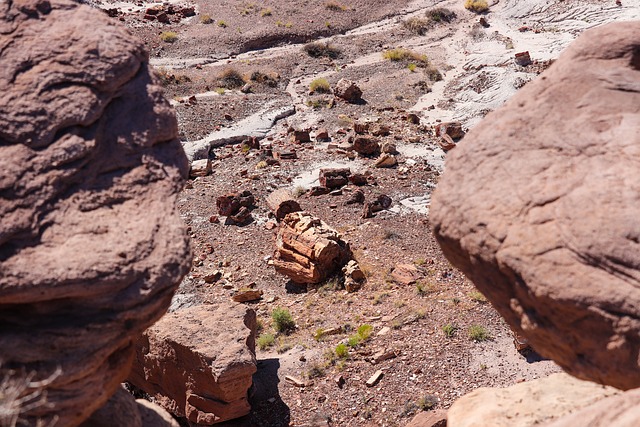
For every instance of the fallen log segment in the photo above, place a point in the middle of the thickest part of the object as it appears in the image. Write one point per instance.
(281, 202)
(308, 250)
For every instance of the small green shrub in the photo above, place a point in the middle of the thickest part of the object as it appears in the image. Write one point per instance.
(364, 331)
(222, 24)
(320, 85)
(265, 341)
(206, 19)
(477, 6)
(319, 334)
(412, 67)
(266, 12)
(342, 351)
(319, 50)
(168, 36)
(478, 333)
(282, 320)
(316, 370)
(449, 330)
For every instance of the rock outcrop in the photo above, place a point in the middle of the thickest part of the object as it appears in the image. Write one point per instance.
(622, 410)
(308, 250)
(526, 404)
(538, 206)
(91, 244)
(122, 409)
(198, 362)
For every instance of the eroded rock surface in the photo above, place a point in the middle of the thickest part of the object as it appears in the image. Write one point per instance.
(198, 362)
(539, 207)
(91, 245)
(622, 410)
(526, 404)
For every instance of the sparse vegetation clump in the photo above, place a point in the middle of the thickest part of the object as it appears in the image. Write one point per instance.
(265, 341)
(441, 14)
(449, 330)
(402, 54)
(320, 85)
(477, 6)
(206, 19)
(342, 351)
(428, 402)
(230, 79)
(478, 333)
(417, 25)
(270, 80)
(477, 297)
(319, 50)
(266, 12)
(335, 6)
(222, 24)
(169, 36)
(282, 320)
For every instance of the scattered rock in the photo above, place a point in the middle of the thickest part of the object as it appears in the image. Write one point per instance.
(246, 295)
(300, 136)
(308, 250)
(437, 418)
(383, 355)
(213, 277)
(230, 203)
(523, 58)
(386, 161)
(389, 148)
(356, 197)
(413, 118)
(484, 22)
(339, 380)
(217, 344)
(318, 190)
(375, 378)
(285, 155)
(405, 274)
(366, 145)
(361, 128)
(516, 214)
(453, 129)
(200, 167)
(359, 179)
(91, 245)
(354, 277)
(348, 90)
(297, 381)
(381, 203)
(446, 143)
(322, 135)
(526, 404)
(334, 177)
(281, 202)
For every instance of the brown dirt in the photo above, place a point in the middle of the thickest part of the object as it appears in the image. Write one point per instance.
(430, 365)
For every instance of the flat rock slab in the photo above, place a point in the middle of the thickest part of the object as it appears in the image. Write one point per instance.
(526, 404)
(539, 206)
(198, 362)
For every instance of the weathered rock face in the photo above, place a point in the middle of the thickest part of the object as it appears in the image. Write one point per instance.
(308, 250)
(122, 409)
(91, 245)
(526, 404)
(622, 410)
(539, 207)
(198, 362)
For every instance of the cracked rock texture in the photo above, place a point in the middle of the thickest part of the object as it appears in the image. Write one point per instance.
(199, 362)
(91, 244)
(539, 207)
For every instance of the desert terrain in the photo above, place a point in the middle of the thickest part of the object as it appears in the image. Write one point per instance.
(234, 70)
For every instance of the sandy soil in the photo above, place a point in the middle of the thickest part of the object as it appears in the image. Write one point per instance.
(478, 73)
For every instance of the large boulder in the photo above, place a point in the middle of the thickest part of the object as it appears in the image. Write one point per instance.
(198, 362)
(622, 410)
(539, 207)
(526, 404)
(91, 244)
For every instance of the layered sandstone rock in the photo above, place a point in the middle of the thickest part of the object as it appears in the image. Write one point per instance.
(526, 404)
(198, 362)
(91, 244)
(539, 206)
